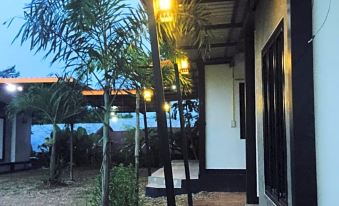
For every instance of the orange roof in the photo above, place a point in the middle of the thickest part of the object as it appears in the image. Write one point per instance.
(28, 80)
(101, 92)
(55, 79)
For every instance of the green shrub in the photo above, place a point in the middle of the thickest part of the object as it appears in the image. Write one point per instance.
(122, 188)
(84, 150)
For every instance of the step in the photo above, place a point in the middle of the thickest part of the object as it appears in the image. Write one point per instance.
(159, 182)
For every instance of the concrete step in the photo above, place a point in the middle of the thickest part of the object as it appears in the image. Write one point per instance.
(159, 182)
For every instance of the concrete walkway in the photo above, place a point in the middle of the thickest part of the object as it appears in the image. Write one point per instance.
(223, 199)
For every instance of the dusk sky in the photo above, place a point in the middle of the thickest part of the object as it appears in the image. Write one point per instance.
(26, 62)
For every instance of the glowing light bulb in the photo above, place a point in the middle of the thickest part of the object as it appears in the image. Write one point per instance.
(165, 5)
(11, 87)
(167, 107)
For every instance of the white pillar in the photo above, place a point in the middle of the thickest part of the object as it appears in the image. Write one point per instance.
(13, 140)
(326, 84)
(2, 136)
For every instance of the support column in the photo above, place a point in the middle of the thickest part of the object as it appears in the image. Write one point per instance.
(202, 118)
(250, 130)
(13, 139)
(302, 143)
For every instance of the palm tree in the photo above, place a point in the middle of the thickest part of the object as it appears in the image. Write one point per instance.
(139, 75)
(9, 73)
(189, 21)
(91, 38)
(55, 103)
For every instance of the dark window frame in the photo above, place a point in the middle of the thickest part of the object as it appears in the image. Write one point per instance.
(275, 150)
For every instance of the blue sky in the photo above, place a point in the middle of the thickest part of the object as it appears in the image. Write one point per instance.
(26, 62)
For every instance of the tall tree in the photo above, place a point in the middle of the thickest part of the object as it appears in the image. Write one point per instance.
(55, 103)
(91, 37)
(139, 73)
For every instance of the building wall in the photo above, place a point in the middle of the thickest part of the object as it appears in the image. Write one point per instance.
(23, 138)
(268, 15)
(326, 84)
(7, 132)
(17, 149)
(224, 148)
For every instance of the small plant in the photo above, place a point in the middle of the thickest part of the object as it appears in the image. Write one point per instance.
(122, 188)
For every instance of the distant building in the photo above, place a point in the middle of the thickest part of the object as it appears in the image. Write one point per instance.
(15, 137)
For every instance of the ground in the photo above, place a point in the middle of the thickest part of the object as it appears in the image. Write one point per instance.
(27, 188)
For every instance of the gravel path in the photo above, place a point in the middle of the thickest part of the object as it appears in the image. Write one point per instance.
(28, 189)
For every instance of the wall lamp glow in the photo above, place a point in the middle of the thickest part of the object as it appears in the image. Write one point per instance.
(164, 10)
(167, 107)
(148, 94)
(174, 87)
(14, 88)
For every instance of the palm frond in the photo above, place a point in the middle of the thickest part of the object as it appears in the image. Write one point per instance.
(55, 103)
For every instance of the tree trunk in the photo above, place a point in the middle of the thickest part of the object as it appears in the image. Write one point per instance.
(52, 163)
(148, 156)
(189, 129)
(71, 154)
(105, 151)
(137, 139)
(171, 132)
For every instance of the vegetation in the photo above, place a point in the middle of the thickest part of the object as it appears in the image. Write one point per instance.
(85, 150)
(104, 40)
(191, 115)
(9, 73)
(122, 188)
(91, 37)
(57, 103)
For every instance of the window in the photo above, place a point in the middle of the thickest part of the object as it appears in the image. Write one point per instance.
(274, 119)
(242, 109)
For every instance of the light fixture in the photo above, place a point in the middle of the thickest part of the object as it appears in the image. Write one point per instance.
(11, 88)
(167, 107)
(20, 88)
(14, 88)
(183, 64)
(164, 10)
(165, 5)
(174, 87)
(148, 94)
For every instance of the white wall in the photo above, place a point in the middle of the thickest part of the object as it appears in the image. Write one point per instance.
(224, 148)
(326, 75)
(23, 137)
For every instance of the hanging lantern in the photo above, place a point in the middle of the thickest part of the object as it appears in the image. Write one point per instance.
(167, 107)
(148, 94)
(183, 65)
(164, 10)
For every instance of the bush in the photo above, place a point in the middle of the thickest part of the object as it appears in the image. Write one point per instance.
(85, 151)
(122, 188)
